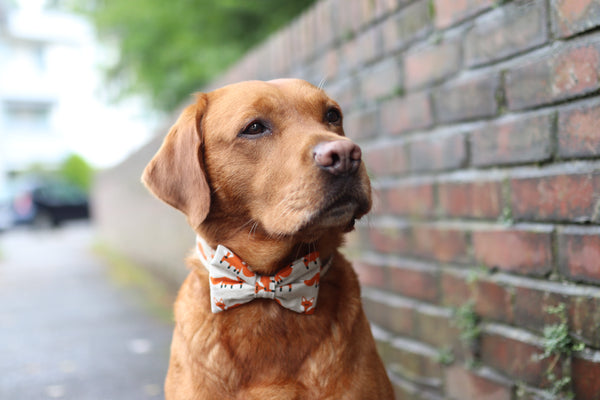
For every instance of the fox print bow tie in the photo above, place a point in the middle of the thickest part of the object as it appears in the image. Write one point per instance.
(232, 283)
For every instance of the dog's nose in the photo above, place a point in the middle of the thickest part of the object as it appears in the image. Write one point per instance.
(338, 157)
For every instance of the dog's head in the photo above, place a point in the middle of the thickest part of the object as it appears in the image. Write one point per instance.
(266, 157)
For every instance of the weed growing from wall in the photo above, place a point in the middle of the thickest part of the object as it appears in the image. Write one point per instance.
(559, 346)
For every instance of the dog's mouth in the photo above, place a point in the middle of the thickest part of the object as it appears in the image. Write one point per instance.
(341, 211)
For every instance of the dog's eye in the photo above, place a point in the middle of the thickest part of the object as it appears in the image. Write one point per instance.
(254, 128)
(333, 116)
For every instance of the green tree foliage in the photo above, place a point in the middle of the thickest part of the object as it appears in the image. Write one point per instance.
(169, 49)
(75, 170)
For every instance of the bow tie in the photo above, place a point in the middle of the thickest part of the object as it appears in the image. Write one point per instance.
(232, 283)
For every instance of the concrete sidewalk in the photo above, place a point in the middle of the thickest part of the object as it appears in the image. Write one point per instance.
(68, 332)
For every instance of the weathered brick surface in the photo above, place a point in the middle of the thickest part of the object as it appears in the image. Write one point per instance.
(577, 131)
(408, 113)
(491, 39)
(449, 12)
(389, 159)
(516, 354)
(564, 73)
(513, 140)
(479, 124)
(432, 63)
(585, 371)
(465, 384)
(480, 199)
(410, 23)
(579, 253)
(570, 197)
(469, 98)
(571, 17)
(410, 199)
(439, 152)
(521, 250)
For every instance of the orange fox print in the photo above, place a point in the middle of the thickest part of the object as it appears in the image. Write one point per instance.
(312, 257)
(226, 281)
(314, 280)
(308, 304)
(237, 264)
(221, 304)
(263, 283)
(284, 273)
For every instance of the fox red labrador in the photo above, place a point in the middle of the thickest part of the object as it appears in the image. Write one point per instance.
(271, 309)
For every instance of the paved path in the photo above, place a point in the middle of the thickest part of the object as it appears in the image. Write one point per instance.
(67, 332)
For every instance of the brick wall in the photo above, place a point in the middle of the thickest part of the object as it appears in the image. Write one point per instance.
(480, 125)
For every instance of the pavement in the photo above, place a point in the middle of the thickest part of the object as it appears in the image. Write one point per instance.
(66, 330)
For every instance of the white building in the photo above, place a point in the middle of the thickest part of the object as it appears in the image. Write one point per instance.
(50, 102)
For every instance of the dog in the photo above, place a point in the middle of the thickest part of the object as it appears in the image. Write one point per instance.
(270, 184)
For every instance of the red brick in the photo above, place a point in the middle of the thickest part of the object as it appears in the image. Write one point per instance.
(382, 80)
(432, 63)
(492, 300)
(412, 22)
(403, 114)
(345, 92)
(519, 250)
(411, 199)
(372, 275)
(466, 99)
(466, 384)
(390, 159)
(516, 354)
(361, 124)
(570, 17)
(438, 152)
(579, 253)
(415, 360)
(584, 318)
(513, 140)
(435, 327)
(531, 306)
(571, 197)
(395, 317)
(414, 281)
(440, 243)
(494, 36)
(349, 15)
(390, 239)
(450, 12)
(585, 372)
(577, 131)
(455, 289)
(569, 71)
(470, 199)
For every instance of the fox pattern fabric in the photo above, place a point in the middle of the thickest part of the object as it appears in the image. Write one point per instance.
(232, 282)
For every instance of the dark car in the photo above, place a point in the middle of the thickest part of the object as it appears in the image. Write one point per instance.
(50, 204)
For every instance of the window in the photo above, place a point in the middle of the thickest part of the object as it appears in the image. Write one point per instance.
(27, 116)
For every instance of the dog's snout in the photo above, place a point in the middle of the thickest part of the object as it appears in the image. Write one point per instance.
(338, 157)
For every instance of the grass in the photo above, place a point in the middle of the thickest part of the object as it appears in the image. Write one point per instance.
(153, 294)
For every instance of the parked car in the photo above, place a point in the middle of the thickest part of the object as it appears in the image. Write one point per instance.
(50, 203)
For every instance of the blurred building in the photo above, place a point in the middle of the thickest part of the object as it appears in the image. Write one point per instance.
(51, 102)
(36, 46)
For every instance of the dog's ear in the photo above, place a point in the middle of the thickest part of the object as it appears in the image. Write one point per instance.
(176, 174)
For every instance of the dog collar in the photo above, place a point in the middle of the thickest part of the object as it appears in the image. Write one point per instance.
(232, 282)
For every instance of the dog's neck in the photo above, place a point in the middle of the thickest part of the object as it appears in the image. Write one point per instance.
(268, 255)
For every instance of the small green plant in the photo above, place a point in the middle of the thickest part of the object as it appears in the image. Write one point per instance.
(558, 345)
(467, 321)
(445, 356)
(506, 216)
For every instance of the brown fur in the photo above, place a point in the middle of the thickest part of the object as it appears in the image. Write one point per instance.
(266, 200)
